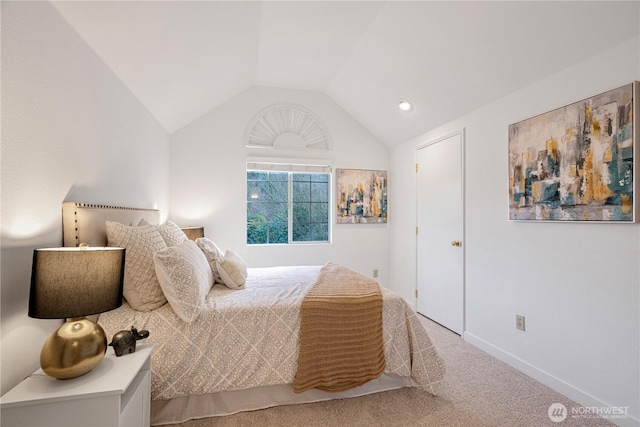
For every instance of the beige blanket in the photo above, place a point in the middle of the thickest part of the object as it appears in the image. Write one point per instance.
(341, 342)
(250, 337)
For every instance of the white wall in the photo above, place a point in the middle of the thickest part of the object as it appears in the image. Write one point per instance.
(208, 181)
(578, 284)
(70, 131)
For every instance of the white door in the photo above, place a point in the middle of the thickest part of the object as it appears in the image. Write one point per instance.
(440, 246)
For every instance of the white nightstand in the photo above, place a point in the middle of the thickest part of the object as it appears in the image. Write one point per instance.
(117, 392)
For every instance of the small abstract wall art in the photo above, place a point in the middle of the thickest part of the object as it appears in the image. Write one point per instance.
(576, 163)
(362, 196)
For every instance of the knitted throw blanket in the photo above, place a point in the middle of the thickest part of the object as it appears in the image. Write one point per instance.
(341, 343)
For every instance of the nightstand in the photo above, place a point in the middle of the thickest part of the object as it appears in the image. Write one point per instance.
(117, 392)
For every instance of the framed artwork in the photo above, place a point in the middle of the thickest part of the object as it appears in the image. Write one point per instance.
(362, 196)
(577, 163)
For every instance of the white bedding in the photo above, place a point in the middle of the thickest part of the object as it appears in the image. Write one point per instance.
(248, 338)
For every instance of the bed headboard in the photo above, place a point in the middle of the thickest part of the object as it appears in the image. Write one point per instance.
(84, 222)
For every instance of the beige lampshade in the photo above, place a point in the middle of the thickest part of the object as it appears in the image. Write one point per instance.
(75, 282)
(193, 233)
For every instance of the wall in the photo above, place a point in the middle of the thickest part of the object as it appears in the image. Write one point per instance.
(208, 181)
(578, 284)
(71, 131)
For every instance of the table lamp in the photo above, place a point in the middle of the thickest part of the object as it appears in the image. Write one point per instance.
(70, 283)
(193, 233)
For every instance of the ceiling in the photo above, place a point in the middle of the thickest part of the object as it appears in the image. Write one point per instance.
(184, 58)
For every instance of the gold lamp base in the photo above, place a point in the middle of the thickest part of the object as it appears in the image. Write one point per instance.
(74, 349)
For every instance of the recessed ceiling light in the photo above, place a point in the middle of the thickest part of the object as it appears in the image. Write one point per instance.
(405, 105)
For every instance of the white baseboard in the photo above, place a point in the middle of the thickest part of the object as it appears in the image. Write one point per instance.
(547, 379)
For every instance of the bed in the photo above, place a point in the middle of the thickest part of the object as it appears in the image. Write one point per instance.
(241, 351)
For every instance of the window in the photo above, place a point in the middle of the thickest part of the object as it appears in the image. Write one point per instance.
(287, 206)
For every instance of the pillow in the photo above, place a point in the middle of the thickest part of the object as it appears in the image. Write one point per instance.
(170, 232)
(141, 287)
(233, 270)
(213, 254)
(185, 277)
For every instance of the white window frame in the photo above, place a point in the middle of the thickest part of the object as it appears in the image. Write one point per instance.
(295, 167)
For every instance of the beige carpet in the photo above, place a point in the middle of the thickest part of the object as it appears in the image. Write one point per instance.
(478, 390)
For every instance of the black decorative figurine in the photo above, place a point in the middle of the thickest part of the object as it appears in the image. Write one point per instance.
(124, 342)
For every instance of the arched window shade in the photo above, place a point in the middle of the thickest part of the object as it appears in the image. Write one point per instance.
(287, 126)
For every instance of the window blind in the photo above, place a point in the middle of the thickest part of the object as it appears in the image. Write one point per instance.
(287, 167)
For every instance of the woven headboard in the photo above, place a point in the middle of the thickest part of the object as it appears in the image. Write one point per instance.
(84, 222)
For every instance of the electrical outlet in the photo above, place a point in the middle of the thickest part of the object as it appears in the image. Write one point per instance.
(375, 273)
(519, 322)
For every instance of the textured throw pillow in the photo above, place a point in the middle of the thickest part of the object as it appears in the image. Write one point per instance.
(185, 277)
(233, 270)
(170, 232)
(213, 254)
(141, 287)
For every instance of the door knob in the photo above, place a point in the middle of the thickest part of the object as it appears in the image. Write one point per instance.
(456, 243)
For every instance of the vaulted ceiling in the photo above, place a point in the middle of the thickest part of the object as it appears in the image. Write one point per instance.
(184, 58)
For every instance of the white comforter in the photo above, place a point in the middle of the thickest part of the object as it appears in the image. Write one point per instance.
(249, 338)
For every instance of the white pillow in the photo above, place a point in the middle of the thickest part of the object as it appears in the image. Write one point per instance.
(185, 277)
(170, 232)
(213, 254)
(233, 270)
(141, 287)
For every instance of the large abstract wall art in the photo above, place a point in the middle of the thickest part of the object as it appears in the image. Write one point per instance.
(576, 163)
(362, 196)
